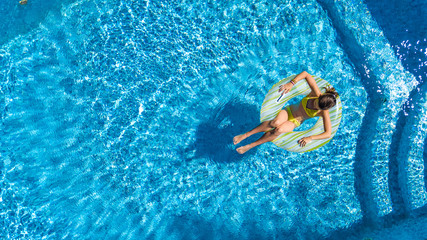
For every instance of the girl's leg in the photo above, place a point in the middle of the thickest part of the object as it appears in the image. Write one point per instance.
(263, 127)
(268, 136)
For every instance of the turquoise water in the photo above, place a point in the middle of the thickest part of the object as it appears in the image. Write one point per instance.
(118, 118)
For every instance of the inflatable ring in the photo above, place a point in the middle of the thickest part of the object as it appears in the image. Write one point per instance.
(273, 103)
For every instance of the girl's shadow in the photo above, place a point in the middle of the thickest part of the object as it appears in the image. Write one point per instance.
(214, 138)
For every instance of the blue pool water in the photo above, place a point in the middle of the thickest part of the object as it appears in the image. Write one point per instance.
(117, 119)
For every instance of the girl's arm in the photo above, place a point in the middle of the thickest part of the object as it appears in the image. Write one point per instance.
(327, 125)
(315, 91)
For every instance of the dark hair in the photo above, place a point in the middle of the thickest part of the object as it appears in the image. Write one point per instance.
(328, 99)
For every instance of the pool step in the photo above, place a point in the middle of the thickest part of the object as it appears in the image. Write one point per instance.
(388, 86)
(410, 148)
(407, 146)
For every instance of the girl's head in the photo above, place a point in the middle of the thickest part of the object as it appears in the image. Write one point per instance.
(328, 99)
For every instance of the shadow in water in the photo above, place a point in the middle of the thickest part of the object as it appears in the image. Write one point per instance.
(214, 137)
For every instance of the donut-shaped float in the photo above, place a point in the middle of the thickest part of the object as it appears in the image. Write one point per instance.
(273, 103)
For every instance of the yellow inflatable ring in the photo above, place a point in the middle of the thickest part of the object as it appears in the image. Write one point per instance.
(289, 141)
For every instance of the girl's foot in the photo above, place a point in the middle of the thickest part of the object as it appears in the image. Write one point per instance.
(237, 139)
(243, 149)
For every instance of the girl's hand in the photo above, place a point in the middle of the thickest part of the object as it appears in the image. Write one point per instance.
(303, 141)
(285, 88)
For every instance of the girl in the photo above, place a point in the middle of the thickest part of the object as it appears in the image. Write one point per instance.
(315, 104)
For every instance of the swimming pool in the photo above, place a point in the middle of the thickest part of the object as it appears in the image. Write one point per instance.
(118, 118)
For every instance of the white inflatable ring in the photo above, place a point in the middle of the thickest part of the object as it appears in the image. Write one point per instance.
(289, 141)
